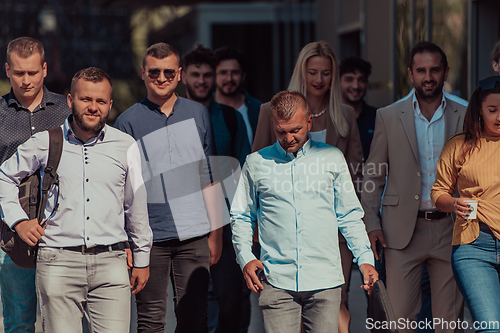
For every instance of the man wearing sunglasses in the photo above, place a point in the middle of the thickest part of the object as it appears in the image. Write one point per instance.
(176, 141)
(408, 138)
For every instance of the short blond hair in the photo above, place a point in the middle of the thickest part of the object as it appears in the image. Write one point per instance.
(25, 47)
(285, 103)
(91, 74)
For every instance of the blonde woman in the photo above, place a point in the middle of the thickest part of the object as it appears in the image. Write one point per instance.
(316, 76)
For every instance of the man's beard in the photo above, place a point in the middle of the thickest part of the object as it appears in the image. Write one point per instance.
(429, 94)
(78, 117)
(352, 101)
(233, 93)
(195, 97)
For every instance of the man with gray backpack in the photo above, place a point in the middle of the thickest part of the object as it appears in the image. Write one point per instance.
(97, 207)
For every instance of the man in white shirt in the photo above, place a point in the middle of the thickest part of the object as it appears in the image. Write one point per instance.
(99, 203)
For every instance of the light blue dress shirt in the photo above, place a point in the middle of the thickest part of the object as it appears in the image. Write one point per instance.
(300, 203)
(102, 198)
(430, 142)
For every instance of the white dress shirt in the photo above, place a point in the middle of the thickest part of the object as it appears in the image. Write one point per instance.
(102, 199)
(430, 140)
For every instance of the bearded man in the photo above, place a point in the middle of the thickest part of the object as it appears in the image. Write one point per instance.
(99, 204)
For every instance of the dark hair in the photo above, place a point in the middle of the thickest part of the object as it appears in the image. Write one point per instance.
(353, 64)
(160, 51)
(495, 53)
(91, 74)
(285, 103)
(199, 56)
(228, 53)
(429, 47)
(25, 47)
(473, 122)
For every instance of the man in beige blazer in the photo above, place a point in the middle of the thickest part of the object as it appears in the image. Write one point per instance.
(409, 136)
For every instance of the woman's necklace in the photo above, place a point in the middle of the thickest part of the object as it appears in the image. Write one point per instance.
(318, 114)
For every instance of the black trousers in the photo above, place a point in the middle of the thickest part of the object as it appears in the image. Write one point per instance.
(187, 264)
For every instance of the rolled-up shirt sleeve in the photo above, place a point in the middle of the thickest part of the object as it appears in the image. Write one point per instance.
(243, 215)
(136, 211)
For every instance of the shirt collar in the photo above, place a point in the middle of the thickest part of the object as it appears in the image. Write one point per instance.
(156, 107)
(212, 102)
(70, 134)
(416, 107)
(301, 152)
(47, 98)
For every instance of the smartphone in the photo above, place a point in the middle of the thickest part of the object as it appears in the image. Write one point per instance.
(260, 275)
(380, 251)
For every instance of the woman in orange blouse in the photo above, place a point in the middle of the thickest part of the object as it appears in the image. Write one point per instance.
(470, 161)
(316, 76)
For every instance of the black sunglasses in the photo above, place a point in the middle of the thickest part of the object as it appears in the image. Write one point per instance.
(154, 73)
(489, 83)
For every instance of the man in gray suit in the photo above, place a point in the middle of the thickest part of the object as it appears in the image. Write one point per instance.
(408, 139)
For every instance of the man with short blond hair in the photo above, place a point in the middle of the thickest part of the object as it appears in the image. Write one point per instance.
(27, 109)
(302, 191)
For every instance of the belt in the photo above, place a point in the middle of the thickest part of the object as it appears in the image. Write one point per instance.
(432, 215)
(83, 249)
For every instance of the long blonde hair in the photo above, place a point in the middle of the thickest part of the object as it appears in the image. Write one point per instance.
(298, 82)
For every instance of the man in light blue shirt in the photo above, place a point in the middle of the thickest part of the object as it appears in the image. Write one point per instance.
(300, 192)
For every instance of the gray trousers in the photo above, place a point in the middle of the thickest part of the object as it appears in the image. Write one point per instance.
(70, 284)
(284, 310)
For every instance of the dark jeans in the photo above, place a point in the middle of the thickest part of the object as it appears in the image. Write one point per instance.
(186, 263)
(229, 288)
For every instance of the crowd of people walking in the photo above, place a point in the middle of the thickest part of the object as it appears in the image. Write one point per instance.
(222, 195)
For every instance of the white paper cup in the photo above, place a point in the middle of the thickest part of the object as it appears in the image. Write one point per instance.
(473, 206)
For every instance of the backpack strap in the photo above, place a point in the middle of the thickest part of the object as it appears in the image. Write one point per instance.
(231, 120)
(50, 173)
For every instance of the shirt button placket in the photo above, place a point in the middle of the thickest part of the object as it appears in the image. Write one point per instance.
(85, 192)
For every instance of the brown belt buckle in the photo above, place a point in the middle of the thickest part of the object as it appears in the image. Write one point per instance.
(427, 219)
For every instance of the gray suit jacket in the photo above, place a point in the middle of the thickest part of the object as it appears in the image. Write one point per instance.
(394, 152)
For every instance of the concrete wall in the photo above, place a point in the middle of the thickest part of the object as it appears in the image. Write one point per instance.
(372, 20)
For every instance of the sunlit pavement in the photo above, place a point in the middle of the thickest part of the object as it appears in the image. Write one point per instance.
(357, 307)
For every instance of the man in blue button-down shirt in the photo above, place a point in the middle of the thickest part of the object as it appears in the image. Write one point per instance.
(300, 192)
